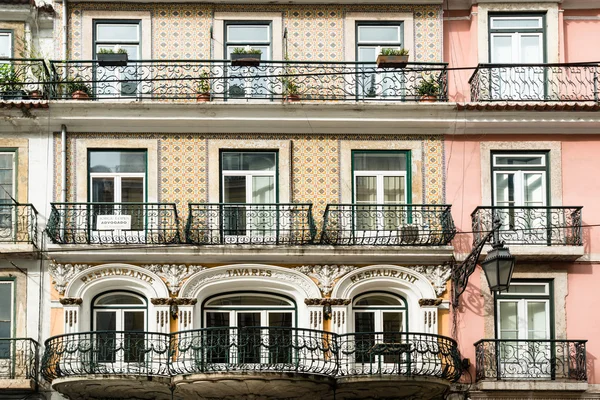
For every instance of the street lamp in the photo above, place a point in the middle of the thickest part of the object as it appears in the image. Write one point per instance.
(498, 264)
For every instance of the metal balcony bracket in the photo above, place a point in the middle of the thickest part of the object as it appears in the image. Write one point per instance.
(461, 272)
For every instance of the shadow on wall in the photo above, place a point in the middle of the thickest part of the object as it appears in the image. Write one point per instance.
(462, 242)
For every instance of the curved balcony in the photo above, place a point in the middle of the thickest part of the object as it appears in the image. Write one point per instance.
(252, 362)
(388, 225)
(108, 364)
(410, 365)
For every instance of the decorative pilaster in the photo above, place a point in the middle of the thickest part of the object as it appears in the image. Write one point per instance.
(161, 313)
(185, 320)
(429, 312)
(328, 309)
(72, 309)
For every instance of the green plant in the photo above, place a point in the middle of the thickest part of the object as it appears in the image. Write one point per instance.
(290, 86)
(204, 83)
(9, 78)
(78, 85)
(242, 50)
(428, 87)
(111, 51)
(394, 52)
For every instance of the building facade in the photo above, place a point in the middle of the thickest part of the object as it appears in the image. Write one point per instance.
(187, 218)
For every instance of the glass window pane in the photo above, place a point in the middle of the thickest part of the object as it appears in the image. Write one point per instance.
(6, 160)
(6, 298)
(280, 319)
(514, 23)
(117, 32)
(234, 189)
(248, 33)
(505, 189)
(5, 45)
(263, 189)
(508, 316)
(534, 193)
(103, 190)
(519, 160)
(132, 190)
(119, 299)
(134, 321)
(380, 300)
(248, 300)
(364, 322)
(378, 33)
(536, 320)
(367, 54)
(117, 161)
(258, 161)
(502, 49)
(372, 161)
(393, 190)
(531, 49)
(215, 319)
(393, 321)
(106, 320)
(530, 288)
(366, 189)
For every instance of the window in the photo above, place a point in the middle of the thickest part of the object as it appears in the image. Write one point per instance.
(524, 313)
(248, 35)
(381, 184)
(115, 36)
(6, 317)
(245, 313)
(371, 38)
(7, 194)
(120, 316)
(520, 194)
(118, 177)
(517, 39)
(6, 43)
(249, 178)
(379, 320)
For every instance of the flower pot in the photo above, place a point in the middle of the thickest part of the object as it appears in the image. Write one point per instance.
(35, 94)
(428, 99)
(245, 60)
(289, 98)
(391, 61)
(203, 97)
(80, 95)
(112, 59)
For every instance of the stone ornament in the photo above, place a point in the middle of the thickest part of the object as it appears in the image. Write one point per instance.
(430, 302)
(327, 302)
(325, 275)
(168, 301)
(71, 301)
(62, 274)
(173, 274)
(437, 275)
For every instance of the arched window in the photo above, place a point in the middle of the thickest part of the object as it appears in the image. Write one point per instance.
(380, 312)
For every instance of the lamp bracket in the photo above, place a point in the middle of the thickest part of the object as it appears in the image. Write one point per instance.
(461, 272)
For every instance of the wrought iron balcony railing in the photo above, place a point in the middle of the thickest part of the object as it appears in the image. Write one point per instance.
(19, 359)
(18, 223)
(306, 80)
(236, 223)
(400, 354)
(113, 223)
(106, 353)
(23, 79)
(531, 359)
(251, 349)
(536, 82)
(388, 224)
(254, 349)
(543, 226)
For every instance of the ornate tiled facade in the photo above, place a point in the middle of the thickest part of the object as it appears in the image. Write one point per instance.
(182, 30)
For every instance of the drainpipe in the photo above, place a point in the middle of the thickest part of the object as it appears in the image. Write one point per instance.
(63, 154)
(64, 29)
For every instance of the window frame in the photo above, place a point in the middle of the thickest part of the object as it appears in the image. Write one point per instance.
(119, 308)
(15, 163)
(11, 34)
(513, 31)
(378, 45)
(12, 281)
(95, 42)
(407, 174)
(521, 168)
(116, 175)
(227, 43)
(247, 173)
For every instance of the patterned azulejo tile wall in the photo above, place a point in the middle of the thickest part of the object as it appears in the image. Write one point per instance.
(315, 165)
(315, 32)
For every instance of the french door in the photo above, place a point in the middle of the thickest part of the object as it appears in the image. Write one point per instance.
(120, 338)
(9, 220)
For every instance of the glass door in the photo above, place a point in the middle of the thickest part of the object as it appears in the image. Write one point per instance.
(8, 206)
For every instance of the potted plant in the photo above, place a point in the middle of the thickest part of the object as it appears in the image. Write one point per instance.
(428, 90)
(392, 58)
(108, 58)
(10, 83)
(203, 88)
(291, 90)
(245, 57)
(79, 90)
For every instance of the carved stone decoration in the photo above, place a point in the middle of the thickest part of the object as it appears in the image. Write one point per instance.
(326, 275)
(173, 274)
(184, 301)
(71, 301)
(161, 301)
(327, 302)
(437, 275)
(430, 302)
(62, 274)
(167, 301)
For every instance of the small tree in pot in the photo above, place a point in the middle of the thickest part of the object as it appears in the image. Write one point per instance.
(203, 88)
(428, 90)
(79, 90)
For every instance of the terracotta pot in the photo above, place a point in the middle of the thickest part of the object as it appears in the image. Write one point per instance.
(35, 94)
(428, 99)
(80, 95)
(291, 98)
(391, 61)
(203, 97)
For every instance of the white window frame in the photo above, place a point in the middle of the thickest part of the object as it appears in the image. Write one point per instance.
(11, 283)
(8, 211)
(8, 33)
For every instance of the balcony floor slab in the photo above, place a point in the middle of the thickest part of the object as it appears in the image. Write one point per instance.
(532, 385)
(92, 387)
(390, 386)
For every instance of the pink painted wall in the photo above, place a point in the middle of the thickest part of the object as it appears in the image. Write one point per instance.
(581, 35)
(580, 162)
(460, 50)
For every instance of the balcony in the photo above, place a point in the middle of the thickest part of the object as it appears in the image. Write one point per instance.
(536, 82)
(542, 361)
(534, 232)
(249, 362)
(18, 226)
(113, 223)
(388, 225)
(78, 364)
(19, 364)
(23, 79)
(260, 224)
(169, 80)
